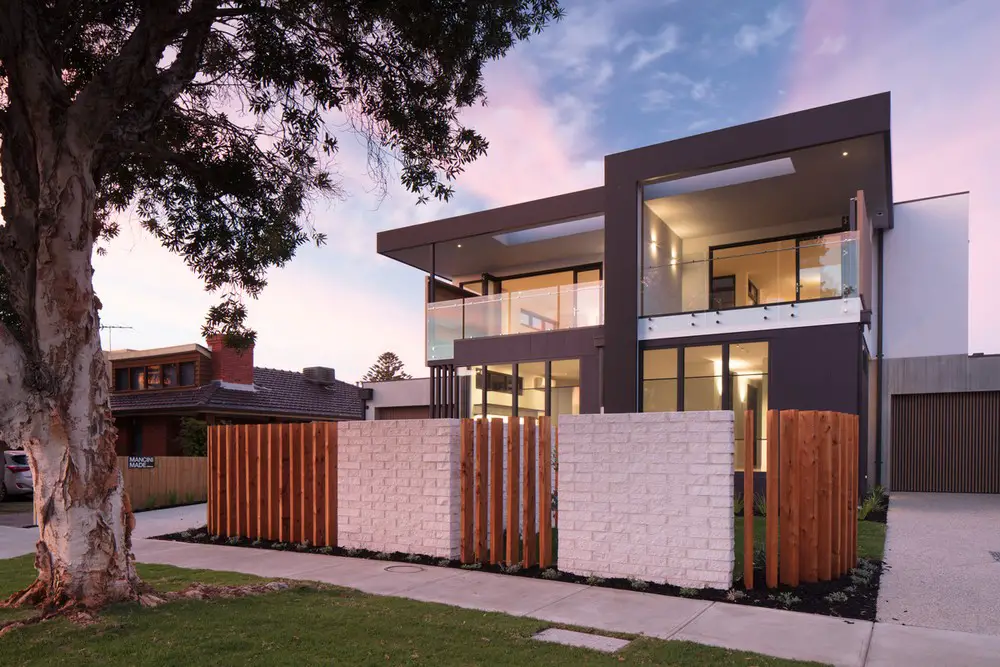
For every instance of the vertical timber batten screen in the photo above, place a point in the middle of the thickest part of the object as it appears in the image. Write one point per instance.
(274, 482)
(812, 491)
(506, 491)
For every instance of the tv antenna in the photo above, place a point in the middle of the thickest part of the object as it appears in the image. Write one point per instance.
(109, 327)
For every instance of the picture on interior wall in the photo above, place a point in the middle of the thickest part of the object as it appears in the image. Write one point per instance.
(753, 294)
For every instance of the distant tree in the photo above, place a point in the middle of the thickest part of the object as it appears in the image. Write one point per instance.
(387, 367)
(215, 122)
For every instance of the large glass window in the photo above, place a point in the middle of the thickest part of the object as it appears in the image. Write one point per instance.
(565, 388)
(531, 402)
(703, 378)
(820, 267)
(748, 363)
(659, 380)
(715, 377)
(760, 273)
(137, 379)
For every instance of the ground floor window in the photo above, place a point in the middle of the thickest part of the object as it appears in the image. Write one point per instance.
(730, 376)
(527, 389)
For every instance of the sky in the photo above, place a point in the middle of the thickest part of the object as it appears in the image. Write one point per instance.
(612, 75)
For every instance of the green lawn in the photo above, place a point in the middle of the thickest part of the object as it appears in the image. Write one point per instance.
(310, 626)
(871, 539)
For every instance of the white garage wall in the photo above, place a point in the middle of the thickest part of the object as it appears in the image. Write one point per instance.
(926, 288)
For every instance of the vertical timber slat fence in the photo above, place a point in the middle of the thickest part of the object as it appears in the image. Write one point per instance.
(487, 488)
(812, 491)
(274, 481)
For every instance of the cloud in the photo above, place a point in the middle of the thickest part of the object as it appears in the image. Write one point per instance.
(945, 137)
(749, 38)
(831, 46)
(669, 88)
(664, 42)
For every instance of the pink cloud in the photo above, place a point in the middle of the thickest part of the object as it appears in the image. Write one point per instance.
(945, 132)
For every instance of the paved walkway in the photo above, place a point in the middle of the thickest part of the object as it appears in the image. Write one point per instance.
(771, 632)
(941, 573)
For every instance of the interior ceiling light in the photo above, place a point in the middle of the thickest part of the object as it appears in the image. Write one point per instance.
(844, 153)
(459, 245)
(548, 232)
(720, 179)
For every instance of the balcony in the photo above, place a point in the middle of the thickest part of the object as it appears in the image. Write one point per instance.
(752, 286)
(510, 313)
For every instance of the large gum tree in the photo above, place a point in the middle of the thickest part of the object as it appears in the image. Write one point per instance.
(210, 119)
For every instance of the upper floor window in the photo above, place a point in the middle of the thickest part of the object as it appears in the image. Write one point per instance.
(160, 376)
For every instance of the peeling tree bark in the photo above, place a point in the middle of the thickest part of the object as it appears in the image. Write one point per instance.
(55, 386)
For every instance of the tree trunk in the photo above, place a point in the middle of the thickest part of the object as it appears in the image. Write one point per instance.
(54, 381)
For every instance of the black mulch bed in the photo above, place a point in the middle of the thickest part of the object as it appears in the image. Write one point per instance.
(853, 596)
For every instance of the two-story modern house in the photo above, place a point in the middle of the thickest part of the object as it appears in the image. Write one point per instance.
(763, 266)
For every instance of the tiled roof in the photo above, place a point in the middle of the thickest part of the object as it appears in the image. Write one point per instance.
(275, 393)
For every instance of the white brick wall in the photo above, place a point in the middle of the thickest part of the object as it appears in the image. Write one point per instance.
(399, 486)
(648, 496)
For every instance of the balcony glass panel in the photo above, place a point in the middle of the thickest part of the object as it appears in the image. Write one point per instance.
(770, 272)
(529, 311)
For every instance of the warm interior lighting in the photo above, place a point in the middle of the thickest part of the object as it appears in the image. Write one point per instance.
(459, 245)
(844, 153)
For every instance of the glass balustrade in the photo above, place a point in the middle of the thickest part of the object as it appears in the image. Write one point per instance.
(771, 272)
(528, 311)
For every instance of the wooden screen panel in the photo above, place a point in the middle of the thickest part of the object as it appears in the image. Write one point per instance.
(467, 509)
(824, 499)
(946, 443)
(496, 490)
(482, 489)
(748, 497)
(789, 492)
(528, 505)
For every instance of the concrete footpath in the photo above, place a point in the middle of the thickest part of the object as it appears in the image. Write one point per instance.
(771, 632)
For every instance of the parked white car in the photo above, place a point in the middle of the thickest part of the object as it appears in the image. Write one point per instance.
(16, 479)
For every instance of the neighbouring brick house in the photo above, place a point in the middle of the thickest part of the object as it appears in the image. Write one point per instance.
(152, 390)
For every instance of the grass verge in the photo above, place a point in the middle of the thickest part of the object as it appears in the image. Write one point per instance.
(313, 626)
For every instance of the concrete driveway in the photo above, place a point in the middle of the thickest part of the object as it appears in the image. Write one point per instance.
(941, 573)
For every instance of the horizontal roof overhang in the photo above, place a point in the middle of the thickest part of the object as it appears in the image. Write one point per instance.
(412, 245)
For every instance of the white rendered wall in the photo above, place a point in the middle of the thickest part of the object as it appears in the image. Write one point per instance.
(648, 496)
(926, 281)
(399, 486)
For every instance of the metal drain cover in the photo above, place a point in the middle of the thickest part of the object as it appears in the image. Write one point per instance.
(996, 555)
(404, 569)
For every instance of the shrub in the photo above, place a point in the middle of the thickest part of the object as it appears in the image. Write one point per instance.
(413, 558)
(760, 504)
(233, 541)
(738, 504)
(383, 555)
(787, 599)
(735, 594)
(638, 584)
(257, 543)
(835, 597)
(511, 568)
(193, 437)
(551, 573)
(444, 562)
(472, 566)
(594, 580)
(876, 500)
(172, 499)
(689, 592)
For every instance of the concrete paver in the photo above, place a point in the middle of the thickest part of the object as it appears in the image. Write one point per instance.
(785, 634)
(894, 645)
(940, 572)
(623, 611)
(582, 640)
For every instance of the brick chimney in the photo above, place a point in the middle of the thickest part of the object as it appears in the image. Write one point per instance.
(230, 365)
